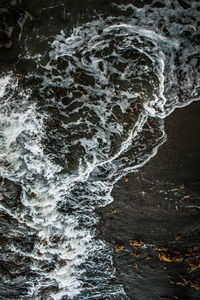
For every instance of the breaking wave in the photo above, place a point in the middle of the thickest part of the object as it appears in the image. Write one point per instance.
(93, 112)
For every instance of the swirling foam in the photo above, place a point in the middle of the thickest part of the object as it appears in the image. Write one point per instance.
(96, 114)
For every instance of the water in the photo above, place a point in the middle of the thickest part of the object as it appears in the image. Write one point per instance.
(83, 104)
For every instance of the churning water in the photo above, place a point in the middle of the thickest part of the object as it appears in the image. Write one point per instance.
(88, 109)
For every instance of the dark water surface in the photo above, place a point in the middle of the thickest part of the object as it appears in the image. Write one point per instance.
(85, 87)
(153, 222)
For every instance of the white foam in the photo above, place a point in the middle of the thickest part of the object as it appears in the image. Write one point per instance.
(4, 81)
(98, 125)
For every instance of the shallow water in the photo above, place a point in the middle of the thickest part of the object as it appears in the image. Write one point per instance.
(84, 92)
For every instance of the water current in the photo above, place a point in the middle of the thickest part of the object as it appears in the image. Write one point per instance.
(83, 105)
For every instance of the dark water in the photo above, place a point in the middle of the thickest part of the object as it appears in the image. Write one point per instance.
(153, 222)
(84, 87)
